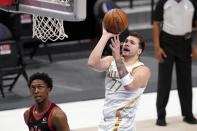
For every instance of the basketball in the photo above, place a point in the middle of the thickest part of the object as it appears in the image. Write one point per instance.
(115, 21)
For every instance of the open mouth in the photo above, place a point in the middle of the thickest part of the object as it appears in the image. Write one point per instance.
(125, 49)
(37, 97)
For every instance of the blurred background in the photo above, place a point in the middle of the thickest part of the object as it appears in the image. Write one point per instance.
(65, 60)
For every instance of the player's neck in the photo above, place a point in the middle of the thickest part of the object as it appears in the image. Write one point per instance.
(40, 107)
(131, 60)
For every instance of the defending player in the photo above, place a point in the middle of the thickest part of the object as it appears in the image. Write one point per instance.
(44, 115)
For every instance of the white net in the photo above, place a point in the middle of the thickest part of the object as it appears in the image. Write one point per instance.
(46, 28)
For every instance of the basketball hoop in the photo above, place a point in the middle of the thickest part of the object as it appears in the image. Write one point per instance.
(47, 28)
(48, 15)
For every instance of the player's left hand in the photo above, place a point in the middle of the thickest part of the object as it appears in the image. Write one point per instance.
(115, 47)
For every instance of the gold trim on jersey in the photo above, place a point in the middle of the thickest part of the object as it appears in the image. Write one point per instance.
(130, 104)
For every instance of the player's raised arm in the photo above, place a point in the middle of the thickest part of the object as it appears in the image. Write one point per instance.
(95, 60)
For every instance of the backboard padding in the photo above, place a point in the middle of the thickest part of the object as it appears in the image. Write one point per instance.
(72, 11)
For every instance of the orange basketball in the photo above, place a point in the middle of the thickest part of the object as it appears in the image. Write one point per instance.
(115, 21)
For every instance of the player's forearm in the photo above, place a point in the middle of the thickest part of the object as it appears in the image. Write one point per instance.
(121, 68)
(125, 76)
(196, 34)
(156, 34)
(96, 54)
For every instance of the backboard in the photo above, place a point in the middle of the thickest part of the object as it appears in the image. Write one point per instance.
(68, 10)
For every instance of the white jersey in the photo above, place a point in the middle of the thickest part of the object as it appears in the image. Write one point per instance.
(120, 104)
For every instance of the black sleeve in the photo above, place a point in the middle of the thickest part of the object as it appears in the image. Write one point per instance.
(195, 9)
(159, 11)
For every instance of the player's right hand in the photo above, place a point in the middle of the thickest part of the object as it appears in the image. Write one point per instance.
(160, 54)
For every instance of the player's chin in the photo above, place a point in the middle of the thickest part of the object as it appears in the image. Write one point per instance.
(125, 53)
(38, 100)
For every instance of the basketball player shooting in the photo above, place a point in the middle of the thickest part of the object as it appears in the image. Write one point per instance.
(126, 79)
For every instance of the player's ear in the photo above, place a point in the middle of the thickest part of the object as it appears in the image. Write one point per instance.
(49, 89)
(139, 51)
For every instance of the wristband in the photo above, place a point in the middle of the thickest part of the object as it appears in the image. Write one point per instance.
(126, 80)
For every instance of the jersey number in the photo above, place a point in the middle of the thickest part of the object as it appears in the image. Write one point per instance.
(116, 85)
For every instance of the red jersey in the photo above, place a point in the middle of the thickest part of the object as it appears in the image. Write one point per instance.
(41, 122)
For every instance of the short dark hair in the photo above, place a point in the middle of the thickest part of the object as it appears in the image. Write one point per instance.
(141, 39)
(41, 76)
